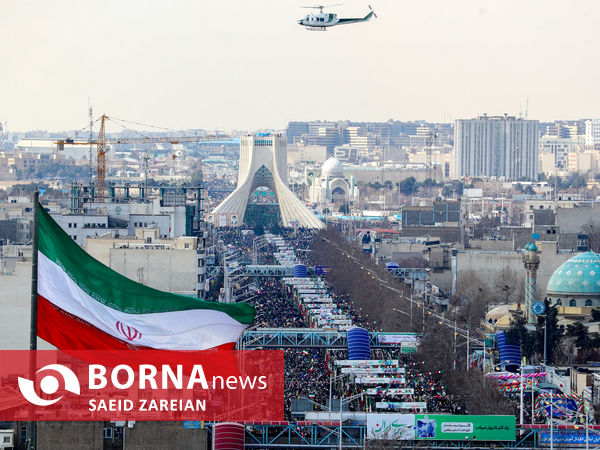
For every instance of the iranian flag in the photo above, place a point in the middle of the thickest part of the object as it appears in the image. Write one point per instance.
(84, 305)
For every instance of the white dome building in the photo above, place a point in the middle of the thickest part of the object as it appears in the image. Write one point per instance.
(331, 187)
(332, 168)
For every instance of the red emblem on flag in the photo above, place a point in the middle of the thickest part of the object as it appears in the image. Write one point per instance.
(130, 333)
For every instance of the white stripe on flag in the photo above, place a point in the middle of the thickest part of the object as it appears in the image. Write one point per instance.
(197, 329)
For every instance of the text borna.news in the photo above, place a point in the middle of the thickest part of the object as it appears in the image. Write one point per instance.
(147, 377)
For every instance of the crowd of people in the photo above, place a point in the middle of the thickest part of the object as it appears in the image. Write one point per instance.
(273, 309)
(308, 371)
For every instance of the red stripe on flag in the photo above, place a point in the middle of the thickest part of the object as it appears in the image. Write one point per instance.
(68, 332)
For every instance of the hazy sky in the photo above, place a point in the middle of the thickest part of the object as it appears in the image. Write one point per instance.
(248, 64)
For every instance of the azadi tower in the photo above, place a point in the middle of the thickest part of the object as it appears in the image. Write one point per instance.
(263, 162)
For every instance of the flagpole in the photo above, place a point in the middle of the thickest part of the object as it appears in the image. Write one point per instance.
(34, 262)
(34, 295)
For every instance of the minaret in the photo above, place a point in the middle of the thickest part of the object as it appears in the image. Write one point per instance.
(531, 260)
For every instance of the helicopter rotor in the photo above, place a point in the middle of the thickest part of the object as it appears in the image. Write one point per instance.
(321, 7)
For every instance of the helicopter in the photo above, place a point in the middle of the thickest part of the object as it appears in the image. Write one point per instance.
(321, 21)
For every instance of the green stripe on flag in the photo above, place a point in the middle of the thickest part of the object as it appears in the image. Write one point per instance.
(113, 289)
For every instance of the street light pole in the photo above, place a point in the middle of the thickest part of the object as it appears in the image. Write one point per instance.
(587, 428)
(521, 395)
(551, 427)
(341, 402)
(484, 350)
(454, 358)
(411, 311)
(340, 422)
(545, 337)
(468, 340)
(532, 403)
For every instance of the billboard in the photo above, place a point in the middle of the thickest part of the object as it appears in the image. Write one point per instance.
(321, 270)
(379, 380)
(391, 391)
(568, 439)
(391, 426)
(401, 405)
(365, 370)
(462, 428)
(397, 338)
(366, 362)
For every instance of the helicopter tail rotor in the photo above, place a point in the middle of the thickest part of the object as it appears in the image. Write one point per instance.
(373, 11)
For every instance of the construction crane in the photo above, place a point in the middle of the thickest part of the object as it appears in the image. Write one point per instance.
(103, 145)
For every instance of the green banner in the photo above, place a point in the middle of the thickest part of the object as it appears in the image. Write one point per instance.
(465, 428)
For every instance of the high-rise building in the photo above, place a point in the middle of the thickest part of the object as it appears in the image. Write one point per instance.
(501, 146)
(296, 130)
(558, 147)
(592, 132)
(359, 137)
(325, 135)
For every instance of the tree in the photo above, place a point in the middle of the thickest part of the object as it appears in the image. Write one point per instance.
(576, 181)
(596, 315)
(277, 229)
(519, 334)
(555, 181)
(344, 208)
(578, 331)
(593, 232)
(258, 229)
(532, 342)
(447, 191)
(197, 177)
(554, 333)
(388, 312)
(459, 188)
(408, 186)
(487, 225)
(507, 284)
(587, 344)
(215, 286)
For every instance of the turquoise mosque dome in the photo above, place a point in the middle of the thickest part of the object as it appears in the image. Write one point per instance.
(576, 282)
(531, 247)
